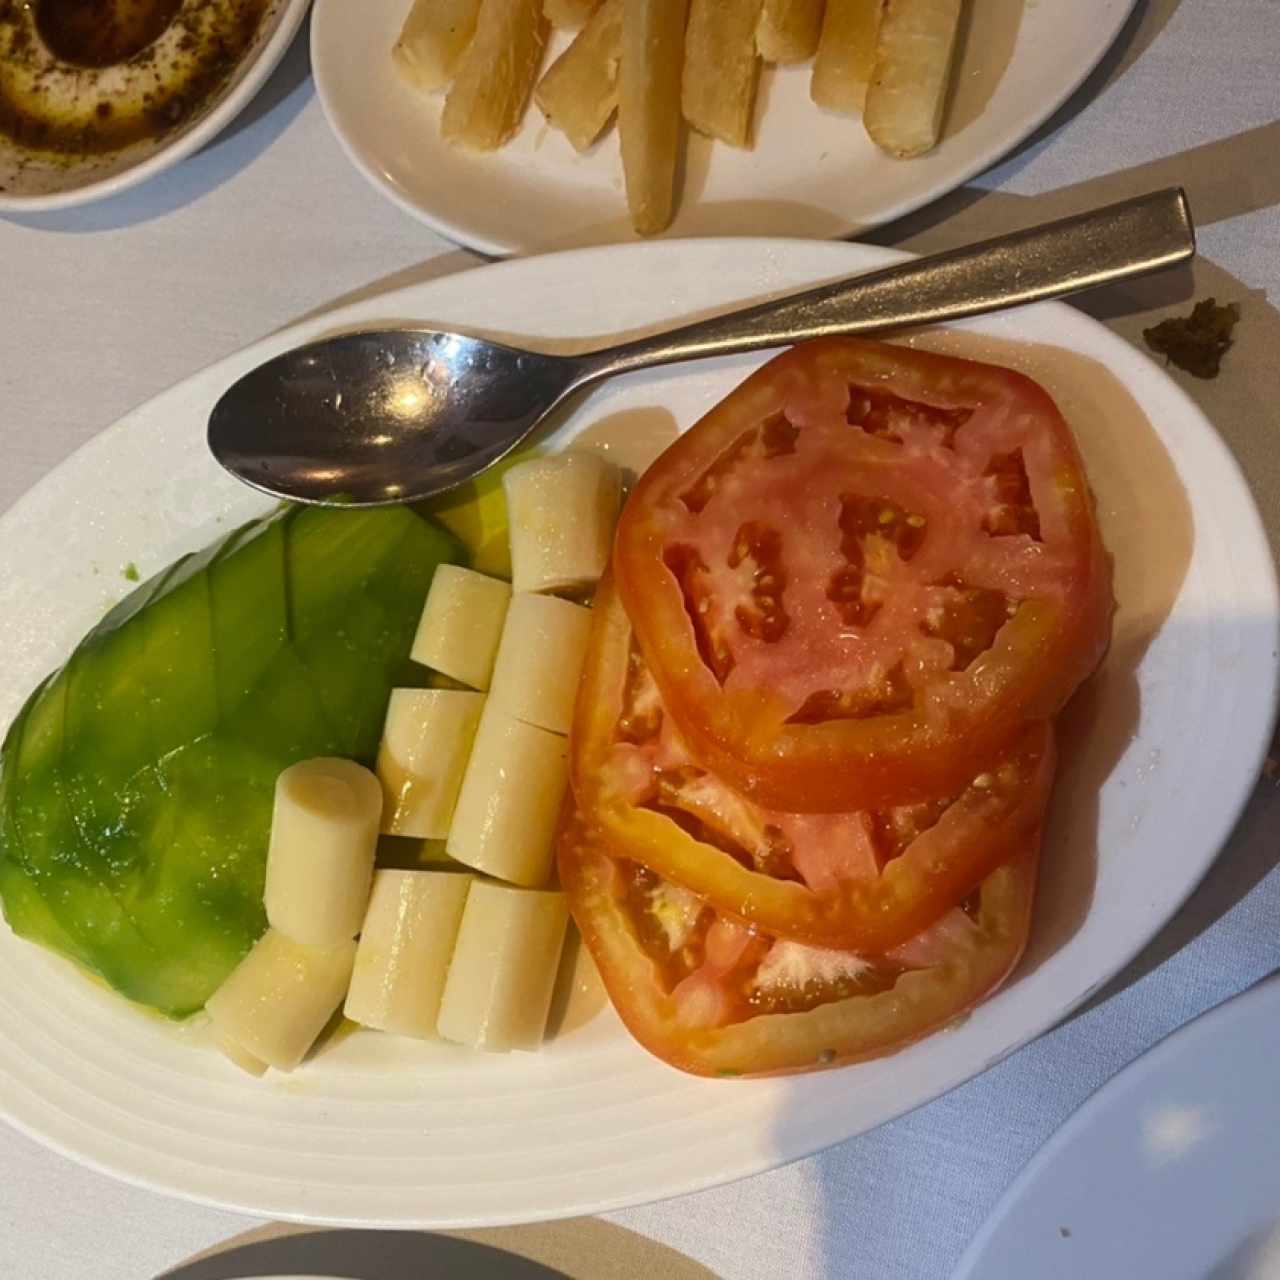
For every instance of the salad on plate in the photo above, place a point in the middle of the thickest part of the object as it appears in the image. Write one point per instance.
(774, 733)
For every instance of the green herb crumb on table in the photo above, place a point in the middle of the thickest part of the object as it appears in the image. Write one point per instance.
(1196, 343)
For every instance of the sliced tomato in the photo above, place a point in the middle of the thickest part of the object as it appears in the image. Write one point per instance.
(862, 572)
(867, 879)
(714, 997)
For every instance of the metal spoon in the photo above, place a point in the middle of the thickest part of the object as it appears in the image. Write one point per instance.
(397, 415)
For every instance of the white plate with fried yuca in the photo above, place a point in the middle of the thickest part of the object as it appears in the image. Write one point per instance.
(519, 126)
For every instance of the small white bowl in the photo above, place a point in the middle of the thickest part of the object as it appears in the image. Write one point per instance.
(28, 185)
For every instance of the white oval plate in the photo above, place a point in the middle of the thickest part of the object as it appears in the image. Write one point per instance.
(810, 173)
(30, 185)
(1171, 1169)
(378, 1131)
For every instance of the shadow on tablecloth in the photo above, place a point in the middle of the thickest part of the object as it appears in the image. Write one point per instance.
(574, 1249)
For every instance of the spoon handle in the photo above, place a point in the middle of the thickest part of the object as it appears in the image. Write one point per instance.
(1114, 243)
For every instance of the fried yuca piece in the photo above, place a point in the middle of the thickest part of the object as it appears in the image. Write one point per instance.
(721, 68)
(788, 29)
(433, 38)
(908, 90)
(649, 117)
(488, 96)
(846, 55)
(569, 13)
(579, 92)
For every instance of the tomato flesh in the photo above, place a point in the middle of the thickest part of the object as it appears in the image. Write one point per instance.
(711, 996)
(861, 573)
(864, 879)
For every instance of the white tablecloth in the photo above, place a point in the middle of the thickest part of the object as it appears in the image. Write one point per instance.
(105, 306)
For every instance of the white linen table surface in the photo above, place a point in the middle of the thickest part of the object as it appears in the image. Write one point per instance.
(105, 306)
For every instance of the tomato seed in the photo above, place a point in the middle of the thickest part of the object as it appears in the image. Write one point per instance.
(704, 488)
(1013, 511)
(779, 435)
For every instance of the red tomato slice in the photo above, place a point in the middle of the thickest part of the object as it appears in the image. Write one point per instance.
(862, 572)
(867, 879)
(713, 997)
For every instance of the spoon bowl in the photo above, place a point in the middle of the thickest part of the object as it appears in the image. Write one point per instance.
(398, 415)
(365, 417)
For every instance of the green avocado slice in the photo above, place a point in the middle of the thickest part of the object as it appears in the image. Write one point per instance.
(136, 784)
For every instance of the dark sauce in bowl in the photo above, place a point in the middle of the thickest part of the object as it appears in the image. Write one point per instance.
(61, 49)
(94, 33)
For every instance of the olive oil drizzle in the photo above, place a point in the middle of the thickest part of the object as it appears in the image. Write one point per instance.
(65, 46)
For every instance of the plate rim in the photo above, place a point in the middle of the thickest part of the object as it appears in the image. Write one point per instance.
(857, 256)
(459, 234)
(1262, 993)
